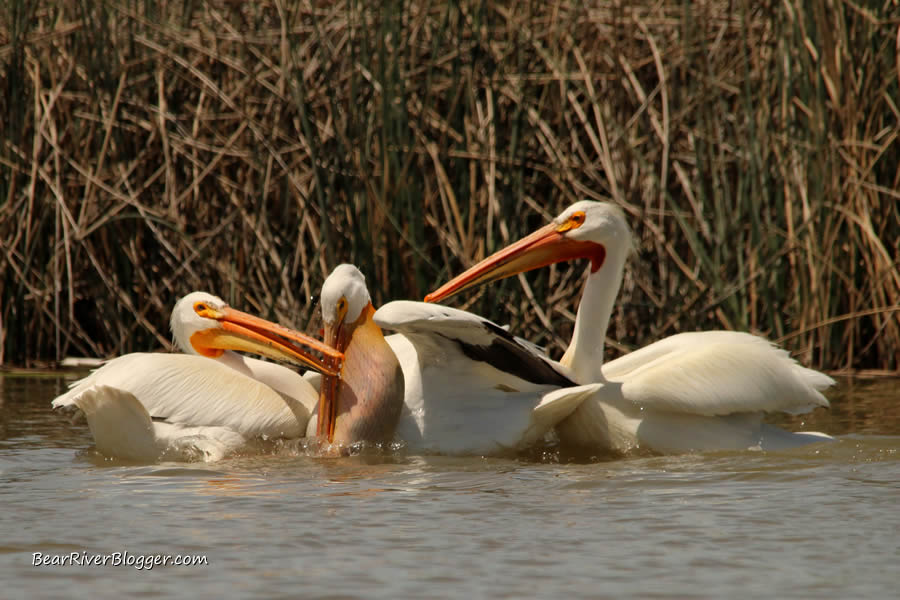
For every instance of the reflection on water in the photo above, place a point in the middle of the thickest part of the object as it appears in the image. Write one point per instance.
(818, 522)
(858, 406)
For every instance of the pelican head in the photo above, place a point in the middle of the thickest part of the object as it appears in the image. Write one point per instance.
(586, 229)
(344, 297)
(363, 402)
(204, 324)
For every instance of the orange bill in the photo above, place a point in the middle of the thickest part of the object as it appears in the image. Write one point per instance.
(545, 246)
(246, 333)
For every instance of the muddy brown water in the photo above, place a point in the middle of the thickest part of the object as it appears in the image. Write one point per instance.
(819, 522)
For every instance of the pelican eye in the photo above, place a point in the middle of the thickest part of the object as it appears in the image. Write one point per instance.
(204, 310)
(342, 306)
(575, 220)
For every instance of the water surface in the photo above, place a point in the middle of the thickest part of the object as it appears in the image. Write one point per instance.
(819, 522)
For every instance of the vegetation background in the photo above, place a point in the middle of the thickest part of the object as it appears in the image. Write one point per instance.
(151, 148)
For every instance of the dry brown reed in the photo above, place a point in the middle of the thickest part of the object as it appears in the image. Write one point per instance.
(152, 148)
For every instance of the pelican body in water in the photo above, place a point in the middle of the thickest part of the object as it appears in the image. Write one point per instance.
(208, 401)
(450, 382)
(691, 391)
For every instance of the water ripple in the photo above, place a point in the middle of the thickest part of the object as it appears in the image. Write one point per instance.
(813, 522)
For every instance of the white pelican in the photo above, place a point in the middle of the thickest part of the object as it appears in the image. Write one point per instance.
(691, 391)
(363, 401)
(143, 406)
(450, 383)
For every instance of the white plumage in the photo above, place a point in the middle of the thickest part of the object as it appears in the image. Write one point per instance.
(469, 386)
(692, 391)
(122, 428)
(457, 404)
(212, 405)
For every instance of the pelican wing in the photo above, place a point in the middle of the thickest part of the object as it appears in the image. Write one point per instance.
(192, 390)
(717, 373)
(122, 428)
(119, 423)
(477, 338)
(471, 387)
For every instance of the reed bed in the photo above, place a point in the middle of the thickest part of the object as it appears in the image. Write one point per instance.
(151, 148)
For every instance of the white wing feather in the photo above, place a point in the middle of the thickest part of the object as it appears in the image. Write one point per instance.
(717, 373)
(197, 391)
(456, 402)
(122, 428)
(405, 316)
